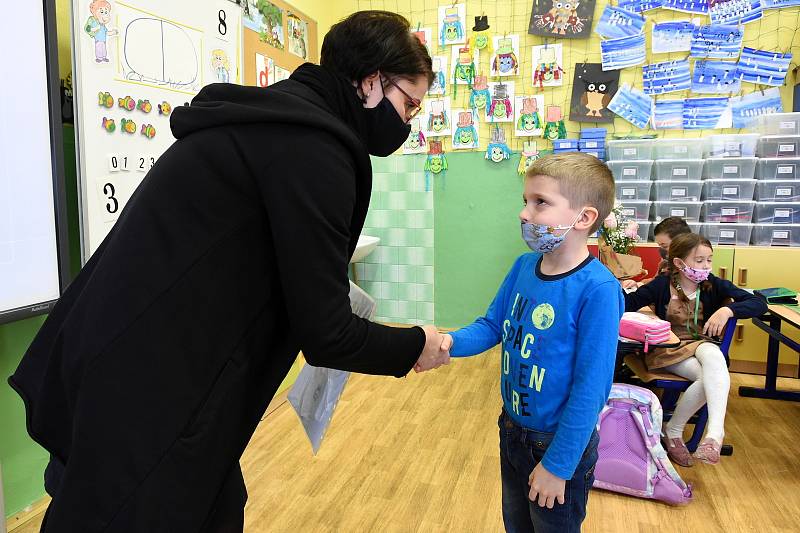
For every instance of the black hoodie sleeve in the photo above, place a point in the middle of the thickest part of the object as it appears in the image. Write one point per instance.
(309, 195)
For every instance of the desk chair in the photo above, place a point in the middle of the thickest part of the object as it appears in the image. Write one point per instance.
(674, 385)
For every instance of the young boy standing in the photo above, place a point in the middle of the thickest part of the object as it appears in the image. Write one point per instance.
(557, 315)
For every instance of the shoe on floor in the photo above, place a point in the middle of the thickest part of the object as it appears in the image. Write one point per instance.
(708, 451)
(677, 451)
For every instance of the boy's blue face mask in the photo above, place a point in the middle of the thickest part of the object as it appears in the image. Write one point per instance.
(542, 238)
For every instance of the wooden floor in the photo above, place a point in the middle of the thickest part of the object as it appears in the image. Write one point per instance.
(420, 454)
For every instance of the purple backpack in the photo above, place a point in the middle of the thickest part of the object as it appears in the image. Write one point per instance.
(631, 458)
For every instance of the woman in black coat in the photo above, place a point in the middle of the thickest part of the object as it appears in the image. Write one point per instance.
(153, 370)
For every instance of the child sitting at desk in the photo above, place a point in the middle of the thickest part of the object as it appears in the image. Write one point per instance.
(692, 300)
(664, 232)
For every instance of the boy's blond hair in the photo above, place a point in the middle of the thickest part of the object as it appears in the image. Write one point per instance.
(582, 179)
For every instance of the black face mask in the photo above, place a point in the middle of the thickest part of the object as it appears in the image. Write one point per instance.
(662, 252)
(386, 131)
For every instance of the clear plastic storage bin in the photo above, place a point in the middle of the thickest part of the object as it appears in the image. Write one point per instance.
(730, 168)
(779, 146)
(680, 191)
(690, 211)
(727, 211)
(778, 213)
(739, 145)
(645, 226)
(637, 210)
(722, 233)
(679, 169)
(630, 150)
(779, 124)
(633, 190)
(679, 148)
(729, 189)
(778, 168)
(778, 191)
(631, 170)
(776, 234)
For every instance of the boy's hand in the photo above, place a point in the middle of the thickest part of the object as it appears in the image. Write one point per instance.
(432, 355)
(546, 487)
(715, 326)
(447, 342)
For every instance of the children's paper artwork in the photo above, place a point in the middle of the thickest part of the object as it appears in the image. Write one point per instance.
(616, 23)
(480, 97)
(452, 20)
(668, 114)
(632, 105)
(438, 118)
(779, 4)
(435, 163)
(481, 38)
(640, 6)
(501, 106)
(704, 113)
(415, 144)
(687, 6)
(717, 42)
(220, 66)
(505, 61)
(497, 150)
(745, 109)
(297, 29)
(592, 90)
(734, 11)
(465, 136)
(554, 127)
(97, 28)
(569, 19)
(266, 19)
(529, 116)
(667, 77)
(265, 70)
(673, 36)
(281, 73)
(463, 61)
(716, 77)
(424, 36)
(547, 65)
(764, 67)
(623, 53)
(440, 76)
(530, 153)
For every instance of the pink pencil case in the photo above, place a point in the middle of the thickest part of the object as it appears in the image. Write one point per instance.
(644, 328)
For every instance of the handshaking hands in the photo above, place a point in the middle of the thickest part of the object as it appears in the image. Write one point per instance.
(436, 351)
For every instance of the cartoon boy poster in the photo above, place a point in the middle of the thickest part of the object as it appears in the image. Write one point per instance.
(96, 27)
(221, 66)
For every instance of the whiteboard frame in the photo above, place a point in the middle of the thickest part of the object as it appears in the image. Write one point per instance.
(57, 165)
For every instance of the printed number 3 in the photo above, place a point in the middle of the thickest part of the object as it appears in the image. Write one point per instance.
(223, 28)
(112, 206)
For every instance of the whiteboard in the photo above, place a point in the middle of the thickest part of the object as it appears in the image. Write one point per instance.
(134, 62)
(33, 247)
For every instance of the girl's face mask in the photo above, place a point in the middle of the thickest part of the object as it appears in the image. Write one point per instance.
(697, 275)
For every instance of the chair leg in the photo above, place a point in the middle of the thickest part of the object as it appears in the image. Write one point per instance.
(699, 428)
(668, 400)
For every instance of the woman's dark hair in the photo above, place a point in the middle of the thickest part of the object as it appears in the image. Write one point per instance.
(680, 247)
(370, 41)
(672, 226)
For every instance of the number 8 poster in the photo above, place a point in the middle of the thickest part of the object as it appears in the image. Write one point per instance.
(136, 61)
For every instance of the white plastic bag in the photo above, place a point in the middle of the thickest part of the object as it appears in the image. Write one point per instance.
(317, 390)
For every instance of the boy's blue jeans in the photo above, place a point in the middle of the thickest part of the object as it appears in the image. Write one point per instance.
(520, 451)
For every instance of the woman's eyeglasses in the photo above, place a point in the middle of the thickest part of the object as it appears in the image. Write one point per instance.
(413, 106)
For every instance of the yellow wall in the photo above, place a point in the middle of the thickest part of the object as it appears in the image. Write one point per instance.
(775, 31)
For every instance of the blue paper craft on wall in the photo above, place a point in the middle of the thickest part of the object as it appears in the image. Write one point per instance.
(730, 11)
(668, 114)
(616, 23)
(716, 77)
(779, 4)
(746, 108)
(717, 42)
(666, 77)
(687, 6)
(673, 36)
(622, 53)
(761, 66)
(640, 6)
(632, 105)
(703, 113)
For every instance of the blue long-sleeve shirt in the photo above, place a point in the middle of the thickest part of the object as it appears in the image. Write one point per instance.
(559, 342)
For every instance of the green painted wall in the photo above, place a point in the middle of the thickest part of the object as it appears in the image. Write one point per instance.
(476, 208)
